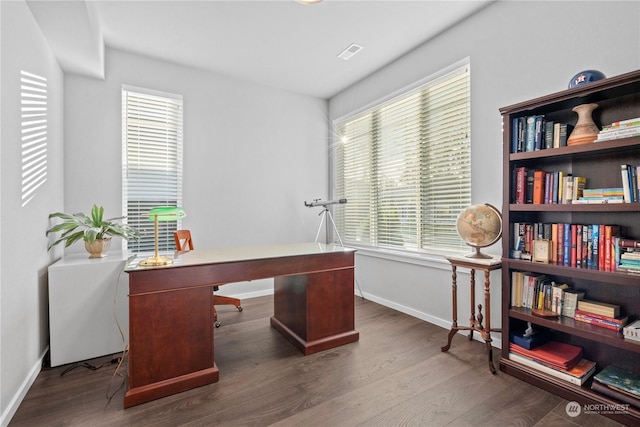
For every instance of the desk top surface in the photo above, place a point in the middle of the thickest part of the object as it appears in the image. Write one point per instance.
(238, 254)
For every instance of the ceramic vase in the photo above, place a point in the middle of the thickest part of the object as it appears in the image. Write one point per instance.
(585, 130)
(98, 248)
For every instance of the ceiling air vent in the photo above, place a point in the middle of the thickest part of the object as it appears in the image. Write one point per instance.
(350, 51)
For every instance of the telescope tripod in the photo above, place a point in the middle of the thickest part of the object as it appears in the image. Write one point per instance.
(327, 213)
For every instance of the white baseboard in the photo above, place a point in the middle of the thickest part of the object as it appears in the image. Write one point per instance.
(496, 341)
(17, 399)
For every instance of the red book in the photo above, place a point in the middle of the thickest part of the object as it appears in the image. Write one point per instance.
(601, 247)
(579, 245)
(521, 185)
(560, 244)
(552, 353)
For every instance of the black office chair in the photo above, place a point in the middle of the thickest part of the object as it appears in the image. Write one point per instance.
(185, 243)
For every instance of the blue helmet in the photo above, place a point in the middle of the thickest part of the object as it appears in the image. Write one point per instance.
(584, 77)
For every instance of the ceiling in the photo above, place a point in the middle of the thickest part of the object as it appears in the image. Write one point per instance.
(282, 44)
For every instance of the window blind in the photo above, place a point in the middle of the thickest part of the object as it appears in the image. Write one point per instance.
(404, 167)
(152, 163)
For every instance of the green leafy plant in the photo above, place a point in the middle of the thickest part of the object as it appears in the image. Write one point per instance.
(80, 226)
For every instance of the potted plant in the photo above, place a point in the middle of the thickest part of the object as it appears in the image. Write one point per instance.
(94, 230)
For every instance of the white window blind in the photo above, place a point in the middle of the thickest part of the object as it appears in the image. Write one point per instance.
(33, 112)
(152, 163)
(404, 167)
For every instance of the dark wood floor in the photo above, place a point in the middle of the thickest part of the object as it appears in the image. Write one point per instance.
(395, 375)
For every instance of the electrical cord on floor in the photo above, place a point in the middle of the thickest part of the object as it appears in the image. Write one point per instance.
(86, 365)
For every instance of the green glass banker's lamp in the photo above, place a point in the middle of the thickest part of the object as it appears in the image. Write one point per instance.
(157, 214)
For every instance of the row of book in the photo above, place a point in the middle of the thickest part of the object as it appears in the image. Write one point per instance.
(594, 246)
(535, 132)
(536, 186)
(542, 294)
(622, 129)
(541, 187)
(536, 350)
(628, 260)
(531, 133)
(630, 183)
(566, 362)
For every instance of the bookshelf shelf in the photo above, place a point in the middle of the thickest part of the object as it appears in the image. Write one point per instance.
(618, 99)
(577, 151)
(577, 328)
(603, 207)
(613, 277)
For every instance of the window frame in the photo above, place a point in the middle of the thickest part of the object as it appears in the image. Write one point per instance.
(420, 250)
(171, 195)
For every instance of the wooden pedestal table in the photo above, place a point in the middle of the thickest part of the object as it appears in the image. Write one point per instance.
(171, 331)
(475, 320)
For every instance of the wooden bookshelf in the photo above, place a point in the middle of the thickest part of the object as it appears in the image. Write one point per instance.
(618, 99)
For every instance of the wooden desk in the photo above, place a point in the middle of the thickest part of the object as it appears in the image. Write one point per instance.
(171, 331)
(475, 321)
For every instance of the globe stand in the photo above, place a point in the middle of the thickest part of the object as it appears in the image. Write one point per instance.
(478, 255)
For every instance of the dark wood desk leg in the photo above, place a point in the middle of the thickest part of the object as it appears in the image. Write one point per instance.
(473, 322)
(454, 307)
(487, 310)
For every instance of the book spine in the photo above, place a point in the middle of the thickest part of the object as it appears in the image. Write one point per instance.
(625, 183)
(539, 130)
(574, 245)
(514, 135)
(538, 187)
(566, 244)
(521, 182)
(548, 187)
(548, 134)
(560, 244)
(601, 246)
(579, 245)
(531, 134)
(594, 246)
(585, 246)
(554, 243)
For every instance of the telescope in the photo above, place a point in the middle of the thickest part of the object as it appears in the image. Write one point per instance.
(324, 203)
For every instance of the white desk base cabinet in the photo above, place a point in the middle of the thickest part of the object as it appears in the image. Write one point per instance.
(82, 311)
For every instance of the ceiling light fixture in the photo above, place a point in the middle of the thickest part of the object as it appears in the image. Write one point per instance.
(350, 51)
(308, 1)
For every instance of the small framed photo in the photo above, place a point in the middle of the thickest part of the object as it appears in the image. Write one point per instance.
(541, 251)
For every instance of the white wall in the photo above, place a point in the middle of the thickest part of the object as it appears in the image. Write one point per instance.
(24, 331)
(518, 51)
(252, 154)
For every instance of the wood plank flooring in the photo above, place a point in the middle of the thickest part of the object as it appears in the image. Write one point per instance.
(395, 375)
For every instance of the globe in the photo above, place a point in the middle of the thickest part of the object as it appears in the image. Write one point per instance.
(480, 226)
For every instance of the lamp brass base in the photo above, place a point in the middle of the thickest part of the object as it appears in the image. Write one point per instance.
(155, 261)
